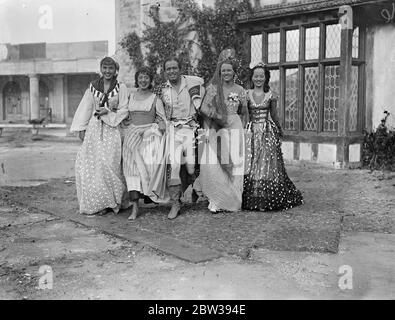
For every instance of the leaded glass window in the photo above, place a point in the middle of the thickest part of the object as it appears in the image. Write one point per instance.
(312, 43)
(291, 99)
(275, 82)
(354, 99)
(355, 43)
(256, 49)
(304, 62)
(311, 89)
(333, 37)
(331, 98)
(292, 45)
(273, 47)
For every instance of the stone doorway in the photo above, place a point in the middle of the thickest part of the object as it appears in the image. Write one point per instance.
(12, 102)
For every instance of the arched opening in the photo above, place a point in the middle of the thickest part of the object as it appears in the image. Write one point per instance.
(12, 101)
(45, 109)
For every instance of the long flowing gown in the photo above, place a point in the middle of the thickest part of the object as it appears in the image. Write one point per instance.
(98, 171)
(221, 180)
(144, 149)
(266, 184)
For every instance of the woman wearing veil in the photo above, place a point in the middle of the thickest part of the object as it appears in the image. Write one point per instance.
(98, 171)
(224, 111)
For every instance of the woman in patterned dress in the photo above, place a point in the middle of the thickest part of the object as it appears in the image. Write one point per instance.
(99, 179)
(222, 164)
(266, 184)
(144, 144)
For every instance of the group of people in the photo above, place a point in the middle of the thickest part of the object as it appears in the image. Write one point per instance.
(223, 140)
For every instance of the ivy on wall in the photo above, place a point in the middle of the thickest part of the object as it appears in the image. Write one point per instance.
(216, 29)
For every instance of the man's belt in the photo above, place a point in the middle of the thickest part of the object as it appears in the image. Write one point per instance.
(183, 122)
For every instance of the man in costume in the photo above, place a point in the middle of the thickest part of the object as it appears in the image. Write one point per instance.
(181, 96)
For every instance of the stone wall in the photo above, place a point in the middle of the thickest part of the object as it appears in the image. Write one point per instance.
(127, 17)
(76, 87)
(382, 77)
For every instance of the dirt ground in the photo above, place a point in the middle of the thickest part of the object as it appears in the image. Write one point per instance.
(95, 260)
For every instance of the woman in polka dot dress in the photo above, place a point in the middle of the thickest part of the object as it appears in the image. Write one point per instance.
(267, 186)
(99, 179)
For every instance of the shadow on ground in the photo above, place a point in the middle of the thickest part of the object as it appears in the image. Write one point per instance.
(197, 235)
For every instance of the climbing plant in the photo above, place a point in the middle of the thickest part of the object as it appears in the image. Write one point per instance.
(378, 149)
(215, 28)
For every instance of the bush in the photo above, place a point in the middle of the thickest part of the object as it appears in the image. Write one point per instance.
(378, 149)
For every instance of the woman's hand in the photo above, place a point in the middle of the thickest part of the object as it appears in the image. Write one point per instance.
(126, 122)
(81, 135)
(101, 112)
(162, 126)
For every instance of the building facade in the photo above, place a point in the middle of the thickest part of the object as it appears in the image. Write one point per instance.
(332, 66)
(46, 80)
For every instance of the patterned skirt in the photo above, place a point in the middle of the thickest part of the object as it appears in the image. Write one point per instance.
(267, 186)
(144, 166)
(99, 179)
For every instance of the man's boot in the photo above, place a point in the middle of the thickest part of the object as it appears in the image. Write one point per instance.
(175, 195)
(194, 196)
(175, 210)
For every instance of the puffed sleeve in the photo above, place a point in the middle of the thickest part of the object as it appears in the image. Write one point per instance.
(84, 113)
(114, 118)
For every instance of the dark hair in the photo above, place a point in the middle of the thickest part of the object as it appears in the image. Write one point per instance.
(172, 58)
(109, 61)
(148, 72)
(266, 86)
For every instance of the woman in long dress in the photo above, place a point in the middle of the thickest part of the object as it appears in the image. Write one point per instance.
(144, 144)
(224, 110)
(99, 180)
(266, 185)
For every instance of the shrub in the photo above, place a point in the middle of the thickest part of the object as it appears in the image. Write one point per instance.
(378, 149)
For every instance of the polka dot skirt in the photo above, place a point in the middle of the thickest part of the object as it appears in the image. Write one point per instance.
(99, 179)
(267, 186)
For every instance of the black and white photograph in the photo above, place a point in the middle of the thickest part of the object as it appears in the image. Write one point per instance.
(210, 151)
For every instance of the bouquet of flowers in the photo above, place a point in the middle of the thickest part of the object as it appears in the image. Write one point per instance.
(234, 97)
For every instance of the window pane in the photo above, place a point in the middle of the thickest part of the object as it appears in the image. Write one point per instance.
(310, 118)
(354, 99)
(291, 99)
(333, 41)
(273, 47)
(275, 82)
(256, 49)
(312, 43)
(331, 98)
(355, 43)
(292, 48)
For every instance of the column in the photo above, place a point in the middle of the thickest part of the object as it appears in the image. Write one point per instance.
(34, 96)
(58, 107)
(346, 22)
